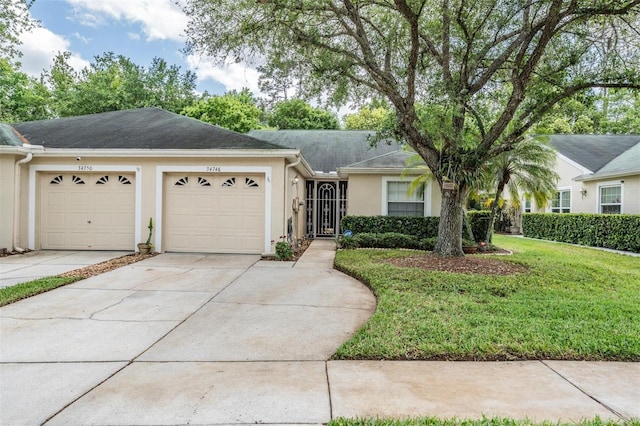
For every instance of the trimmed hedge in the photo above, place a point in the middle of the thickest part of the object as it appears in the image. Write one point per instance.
(614, 231)
(387, 240)
(418, 227)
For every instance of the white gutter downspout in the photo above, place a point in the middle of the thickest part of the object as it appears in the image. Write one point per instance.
(286, 186)
(16, 202)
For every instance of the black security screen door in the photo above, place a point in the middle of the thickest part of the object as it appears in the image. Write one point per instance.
(325, 205)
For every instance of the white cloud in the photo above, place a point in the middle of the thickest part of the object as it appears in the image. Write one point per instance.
(160, 19)
(82, 38)
(234, 76)
(40, 46)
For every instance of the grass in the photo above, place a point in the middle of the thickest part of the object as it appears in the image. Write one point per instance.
(431, 421)
(31, 288)
(574, 303)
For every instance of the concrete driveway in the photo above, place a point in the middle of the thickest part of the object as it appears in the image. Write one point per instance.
(214, 339)
(181, 338)
(21, 268)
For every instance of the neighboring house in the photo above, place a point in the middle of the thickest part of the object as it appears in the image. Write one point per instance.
(92, 183)
(598, 174)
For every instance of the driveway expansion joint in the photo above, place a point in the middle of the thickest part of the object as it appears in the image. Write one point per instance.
(584, 392)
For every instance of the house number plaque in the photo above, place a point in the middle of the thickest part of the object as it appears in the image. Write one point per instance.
(85, 168)
(213, 168)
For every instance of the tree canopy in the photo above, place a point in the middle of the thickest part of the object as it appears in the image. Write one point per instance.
(368, 118)
(22, 97)
(234, 111)
(490, 68)
(298, 114)
(14, 20)
(113, 82)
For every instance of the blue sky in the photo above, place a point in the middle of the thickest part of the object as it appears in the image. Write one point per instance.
(138, 29)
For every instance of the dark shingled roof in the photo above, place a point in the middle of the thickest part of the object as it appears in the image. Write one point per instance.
(390, 160)
(593, 151)
(144, 128)
(328, 150)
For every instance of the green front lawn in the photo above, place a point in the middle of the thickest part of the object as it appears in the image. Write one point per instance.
(31, 288)
(574, 303)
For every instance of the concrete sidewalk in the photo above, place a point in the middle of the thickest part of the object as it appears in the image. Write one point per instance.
(221, 339)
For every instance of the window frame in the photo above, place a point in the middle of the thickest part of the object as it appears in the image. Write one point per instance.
(560, 207)
(611, 184)
(426, 196)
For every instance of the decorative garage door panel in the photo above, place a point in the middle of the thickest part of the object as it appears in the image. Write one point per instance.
(215, 213)
(82, 211)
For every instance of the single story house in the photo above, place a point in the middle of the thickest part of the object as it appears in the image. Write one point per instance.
(93, 182)
(598, 174)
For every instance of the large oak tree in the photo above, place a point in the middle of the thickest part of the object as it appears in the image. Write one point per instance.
(488, 70)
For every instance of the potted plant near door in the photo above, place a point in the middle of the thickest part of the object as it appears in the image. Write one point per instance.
(146, 247)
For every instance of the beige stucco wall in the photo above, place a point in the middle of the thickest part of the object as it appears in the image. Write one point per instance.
(150, 186)
(585, 194)
(7, 185)
(366, 194)
(631, 194)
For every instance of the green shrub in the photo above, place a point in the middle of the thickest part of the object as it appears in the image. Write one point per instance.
(419, 227)
(614, 231)
(284, 251)
(390, 240)
(479, 221)
(428, 244)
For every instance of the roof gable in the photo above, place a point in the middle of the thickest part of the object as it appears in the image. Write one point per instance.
(328, 150)
(390, 160)
(8, 136)
(593, 151)
(144, 128)
(628, 161)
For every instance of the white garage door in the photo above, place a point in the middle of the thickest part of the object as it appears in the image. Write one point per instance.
(83, 211)
(214, 213)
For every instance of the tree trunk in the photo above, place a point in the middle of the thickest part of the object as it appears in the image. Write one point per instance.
(450, 228)
(494, 211)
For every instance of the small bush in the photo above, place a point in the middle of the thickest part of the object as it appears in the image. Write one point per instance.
(284, 251)
(479, 221)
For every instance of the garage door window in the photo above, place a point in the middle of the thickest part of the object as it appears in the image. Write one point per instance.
(203, 182)
(251, 183)
(56, 180)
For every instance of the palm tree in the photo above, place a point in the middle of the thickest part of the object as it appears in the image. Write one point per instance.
(528, 169)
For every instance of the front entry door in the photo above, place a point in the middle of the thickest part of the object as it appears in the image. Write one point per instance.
(326, 204)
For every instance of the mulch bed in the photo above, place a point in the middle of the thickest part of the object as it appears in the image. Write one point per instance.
(469, 264)
(108, 265)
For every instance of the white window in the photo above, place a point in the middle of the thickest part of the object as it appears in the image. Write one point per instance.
(527, 204)
(401, 203)
(611, 199)
(561, 202)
